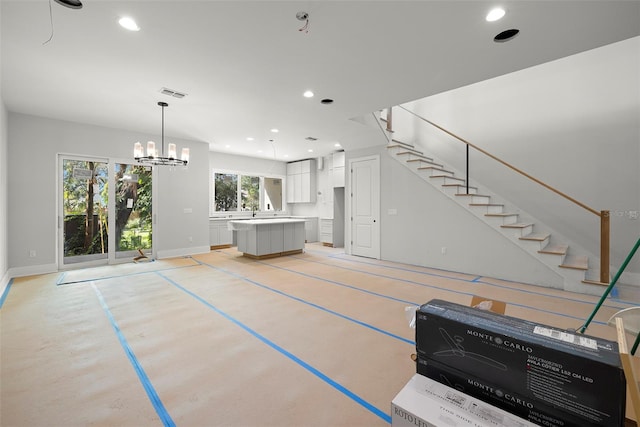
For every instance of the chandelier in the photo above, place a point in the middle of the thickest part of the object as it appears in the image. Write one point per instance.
(155, 158)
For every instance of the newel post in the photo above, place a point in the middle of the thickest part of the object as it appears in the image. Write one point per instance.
(604, 246)
(389, 118)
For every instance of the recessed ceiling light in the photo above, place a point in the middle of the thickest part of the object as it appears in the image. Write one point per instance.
(129, 24)
(308, 94)
(310, 150)
(227, 146)
(259, 151)
(274, 130)
(495, 14)
(337, 144)
(249, 138)
(506, 35)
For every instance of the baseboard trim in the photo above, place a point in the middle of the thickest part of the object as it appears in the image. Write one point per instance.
(173, 253)
(32, 270)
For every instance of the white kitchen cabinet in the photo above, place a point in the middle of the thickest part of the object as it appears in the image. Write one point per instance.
(219, 234)
(301, 181)
(337, 172)
(326, 231)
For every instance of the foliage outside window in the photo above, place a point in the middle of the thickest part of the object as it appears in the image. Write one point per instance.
(250, 193)
(235, 193)
(226, 192)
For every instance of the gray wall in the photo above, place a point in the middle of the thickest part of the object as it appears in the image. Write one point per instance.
(573, 123)
(34, 144)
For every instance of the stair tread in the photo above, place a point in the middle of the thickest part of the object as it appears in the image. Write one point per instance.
(424, 160)
(594, 282)
(447, 176)
(577, 262)
(434, 168)
(502, 214)
(406, 147)
(539, 237)
(517, 225)
(474, 195)
(406, 144)
(481, 204)
(415, 153)
(458, 185)
(554, 249)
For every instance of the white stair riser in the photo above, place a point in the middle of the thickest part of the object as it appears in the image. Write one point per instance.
(503, 220)
(537, 245)
(489, 209)
(555, 258)
(420, 163)
(412, 156)
(397, 149)
(445, 180)
(432, 172)
(458, 190)
(519, 232)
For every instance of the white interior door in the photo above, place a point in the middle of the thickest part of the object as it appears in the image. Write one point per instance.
(365, 206)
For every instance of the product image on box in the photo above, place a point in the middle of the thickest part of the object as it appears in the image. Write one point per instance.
(457, 350)
(548, 367)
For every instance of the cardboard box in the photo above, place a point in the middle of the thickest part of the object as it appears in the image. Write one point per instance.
(544, 365)
(508, 400)
(427, 403)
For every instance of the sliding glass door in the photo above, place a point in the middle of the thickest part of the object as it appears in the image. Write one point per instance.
(133, 214)
(84, 218)
(105, 211)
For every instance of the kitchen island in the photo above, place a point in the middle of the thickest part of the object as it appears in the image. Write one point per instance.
(267, 238)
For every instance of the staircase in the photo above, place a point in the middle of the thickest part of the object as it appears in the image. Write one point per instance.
(578, 276)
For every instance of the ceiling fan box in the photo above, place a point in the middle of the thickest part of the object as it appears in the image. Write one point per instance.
(561, 369)
(533, 410)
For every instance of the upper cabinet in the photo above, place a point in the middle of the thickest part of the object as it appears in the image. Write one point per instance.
(337, 173)
(301, 181)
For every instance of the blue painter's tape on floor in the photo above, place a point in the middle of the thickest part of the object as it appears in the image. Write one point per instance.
(383, 415)
(319, 307)
(5, 293)
(144, 379)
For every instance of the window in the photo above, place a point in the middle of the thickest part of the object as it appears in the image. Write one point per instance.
(226, 192)
(236, 193)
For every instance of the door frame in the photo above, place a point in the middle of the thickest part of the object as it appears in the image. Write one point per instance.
(349, 200)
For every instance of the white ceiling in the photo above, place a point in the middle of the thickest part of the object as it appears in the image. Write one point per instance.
(245, 64)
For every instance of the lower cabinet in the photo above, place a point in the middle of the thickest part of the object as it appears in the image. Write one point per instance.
(219, 234)
(326, 231)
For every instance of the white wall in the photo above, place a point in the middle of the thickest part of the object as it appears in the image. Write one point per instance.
(34, 144)
(573, 123)
(4, 191)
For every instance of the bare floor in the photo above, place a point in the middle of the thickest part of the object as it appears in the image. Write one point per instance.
(315, 339)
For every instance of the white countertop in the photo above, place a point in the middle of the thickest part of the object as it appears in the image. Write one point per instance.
(258, 221)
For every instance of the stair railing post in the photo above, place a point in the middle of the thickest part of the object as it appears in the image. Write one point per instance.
(467, 168)
(604, 246)
(389, 118)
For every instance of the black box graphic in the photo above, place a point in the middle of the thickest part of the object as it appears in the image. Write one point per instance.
(579, 377)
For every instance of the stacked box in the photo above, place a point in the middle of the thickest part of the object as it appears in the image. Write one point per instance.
(427, 403)
(550, 376)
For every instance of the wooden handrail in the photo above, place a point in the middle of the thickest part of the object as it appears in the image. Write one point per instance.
(604, 215)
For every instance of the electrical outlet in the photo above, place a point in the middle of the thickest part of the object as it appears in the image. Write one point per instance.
(32, 253)
(444, 250)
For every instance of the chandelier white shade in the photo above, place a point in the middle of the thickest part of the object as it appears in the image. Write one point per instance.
(154, 157)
